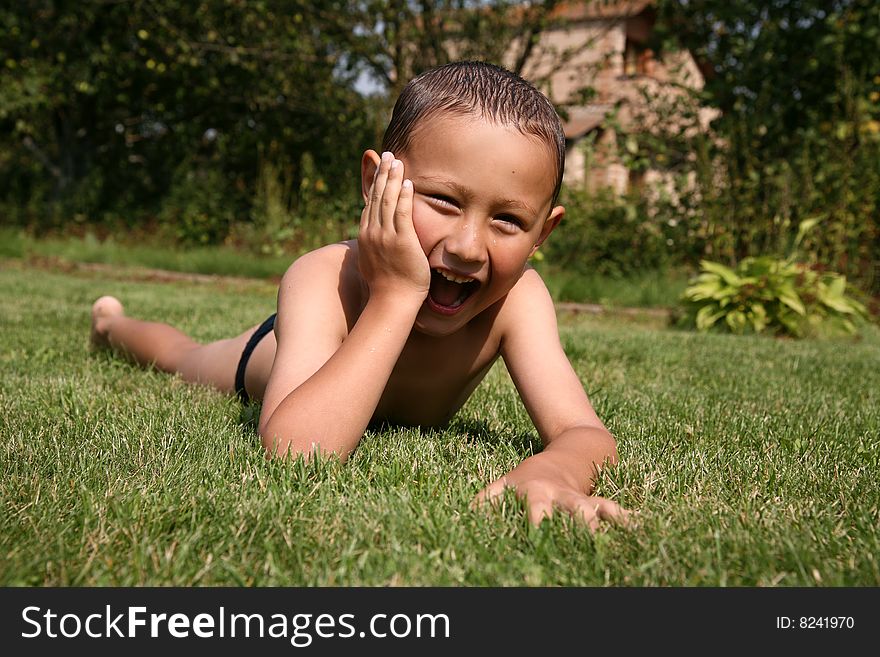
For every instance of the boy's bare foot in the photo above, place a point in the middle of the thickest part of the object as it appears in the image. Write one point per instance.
(102, 310)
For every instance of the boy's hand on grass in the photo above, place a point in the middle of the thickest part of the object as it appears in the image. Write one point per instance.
(545, 492)
(391, 258)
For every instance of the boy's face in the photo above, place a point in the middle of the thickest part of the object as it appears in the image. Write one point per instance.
(482, 206)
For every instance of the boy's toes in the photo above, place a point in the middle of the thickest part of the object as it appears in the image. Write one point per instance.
(107, 306)
(103, 308)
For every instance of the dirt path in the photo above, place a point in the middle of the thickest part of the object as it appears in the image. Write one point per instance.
(133, 273)
(56, 264)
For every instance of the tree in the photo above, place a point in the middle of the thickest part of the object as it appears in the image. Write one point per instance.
(101, 102)
(394, 40)
(164, 108)
(798, 86)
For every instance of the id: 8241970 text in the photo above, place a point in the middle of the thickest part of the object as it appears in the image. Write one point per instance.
(815, 622)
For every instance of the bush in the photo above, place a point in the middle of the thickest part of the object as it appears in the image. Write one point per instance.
(603, 233)
(293, 218)
(766, 293)
(199, 208)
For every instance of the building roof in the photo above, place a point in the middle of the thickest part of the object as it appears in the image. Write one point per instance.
(597, 9)
(583, 119)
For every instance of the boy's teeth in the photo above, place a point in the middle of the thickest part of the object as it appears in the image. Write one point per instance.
(453, 277)
(450, 290)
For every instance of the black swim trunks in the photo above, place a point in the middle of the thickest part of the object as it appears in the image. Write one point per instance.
(252, 343)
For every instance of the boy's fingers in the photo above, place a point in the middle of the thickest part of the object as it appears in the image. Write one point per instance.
(538, 510)
(594, 510)
(591, 511)
(378, 192)
(403, 213)
(490, 492)
(368, 207)
(537, 507)
(580, 507)
(614, 513)
(391, 194)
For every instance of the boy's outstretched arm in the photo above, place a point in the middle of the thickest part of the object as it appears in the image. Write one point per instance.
(576, 443)
(326, 382)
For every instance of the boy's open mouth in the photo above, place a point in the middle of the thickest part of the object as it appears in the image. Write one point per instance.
(449, 291)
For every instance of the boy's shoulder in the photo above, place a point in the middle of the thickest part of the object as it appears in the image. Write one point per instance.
(528, 296)
(325, 284)
(333, 265)
(528, 312)
(329, 258)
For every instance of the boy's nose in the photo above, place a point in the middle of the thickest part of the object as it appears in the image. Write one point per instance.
(466, 240)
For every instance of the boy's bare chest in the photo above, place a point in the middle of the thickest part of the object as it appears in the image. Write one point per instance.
(433, 379)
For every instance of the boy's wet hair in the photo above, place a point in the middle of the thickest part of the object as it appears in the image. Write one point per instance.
(476, 88)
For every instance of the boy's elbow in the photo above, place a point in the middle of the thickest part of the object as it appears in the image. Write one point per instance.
(270, 439)
(603, 446)
(273, 445)
(612, 458)
(277, 446)
(275, 442)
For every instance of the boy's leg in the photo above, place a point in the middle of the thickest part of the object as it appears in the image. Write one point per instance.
(171, 350)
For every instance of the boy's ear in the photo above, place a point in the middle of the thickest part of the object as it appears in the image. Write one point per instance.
(369, 164)
(550, 223)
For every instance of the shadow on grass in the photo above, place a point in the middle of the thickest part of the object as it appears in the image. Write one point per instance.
(481, 431)
(476, 431)
(249, 416)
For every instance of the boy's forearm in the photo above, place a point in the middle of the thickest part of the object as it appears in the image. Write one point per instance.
(577, 454)
(333, 407)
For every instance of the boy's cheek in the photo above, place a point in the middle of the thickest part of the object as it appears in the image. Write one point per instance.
(421, 227)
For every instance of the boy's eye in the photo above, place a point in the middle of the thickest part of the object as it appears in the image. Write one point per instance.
(509, 221)
(443, 201)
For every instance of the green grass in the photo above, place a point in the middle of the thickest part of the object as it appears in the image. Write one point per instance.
(643, 290)
(219, 260)
(750, 461)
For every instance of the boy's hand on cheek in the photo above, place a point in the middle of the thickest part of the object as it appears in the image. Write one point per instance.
(545, 492)
(391, 258)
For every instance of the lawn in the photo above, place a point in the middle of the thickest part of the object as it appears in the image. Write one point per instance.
(750, 461)
(649, 288)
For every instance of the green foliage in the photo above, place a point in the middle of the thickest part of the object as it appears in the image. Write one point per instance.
(142, 255)
(607, 234)
(100, 103)
(199, 207)
(394, 41)
(290, 218)
(643, 289)
(271, 210)
(766, 293)
(797, 135)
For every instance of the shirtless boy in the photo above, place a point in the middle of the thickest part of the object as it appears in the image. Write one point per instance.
(401, 324)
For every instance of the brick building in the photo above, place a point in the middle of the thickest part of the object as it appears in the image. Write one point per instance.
(605, 45)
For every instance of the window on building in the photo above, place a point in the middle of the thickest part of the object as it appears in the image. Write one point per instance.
(637, 59)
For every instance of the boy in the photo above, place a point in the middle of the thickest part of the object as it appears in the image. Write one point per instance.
(401, 324)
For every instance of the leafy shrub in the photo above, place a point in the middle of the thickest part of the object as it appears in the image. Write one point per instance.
(767, 293)
(272, 218)
(200, 206)
(294, 210)
(603, 233)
